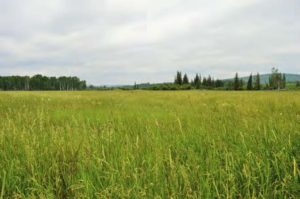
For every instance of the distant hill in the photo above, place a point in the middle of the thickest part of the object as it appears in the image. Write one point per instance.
(264, 78)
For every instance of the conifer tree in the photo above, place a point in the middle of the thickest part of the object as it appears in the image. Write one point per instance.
(209, 81)
(185, 79)
(283, 81)
(250, 84)
(236, 83)
(197, 81)
(213, 82)
(219, 83)
(178, 78)
(257, 82)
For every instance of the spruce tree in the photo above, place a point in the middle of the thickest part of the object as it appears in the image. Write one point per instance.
(185, 79)
(283, 81)
(236, 83)
(178, 78)
(213, 82)
(197, 81)
(257, 82)
(250, 83)
(219, 83)
(209, 81)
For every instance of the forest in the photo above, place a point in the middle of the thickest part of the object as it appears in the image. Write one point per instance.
(40, 82)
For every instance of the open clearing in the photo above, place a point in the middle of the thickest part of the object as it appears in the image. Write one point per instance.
(140, 144)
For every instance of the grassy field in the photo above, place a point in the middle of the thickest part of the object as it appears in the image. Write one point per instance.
(139, 144)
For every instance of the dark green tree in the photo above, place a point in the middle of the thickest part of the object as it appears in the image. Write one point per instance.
(178, 78)
(209, 82)
(219, 83)
(257, 85)
(40, 82)
(283, 81)
(204, 82)
(250, 83)
(197, 81)
(185, 79)
(236, 82)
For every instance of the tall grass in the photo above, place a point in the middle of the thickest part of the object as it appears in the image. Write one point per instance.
(150, 144)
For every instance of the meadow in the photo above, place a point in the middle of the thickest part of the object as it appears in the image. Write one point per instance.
(147, 144)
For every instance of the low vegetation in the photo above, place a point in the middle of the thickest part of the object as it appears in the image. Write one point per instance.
(142, 144)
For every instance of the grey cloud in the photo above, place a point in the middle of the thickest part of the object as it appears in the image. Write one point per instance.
(117, 41)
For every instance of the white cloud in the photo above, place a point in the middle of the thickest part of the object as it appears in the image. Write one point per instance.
(122, 41)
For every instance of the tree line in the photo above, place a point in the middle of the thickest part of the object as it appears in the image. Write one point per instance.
(252, 83)
(277, 80)
(197, 82)
(40, 82)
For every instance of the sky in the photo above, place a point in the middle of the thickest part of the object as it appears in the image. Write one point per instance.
(113, 42)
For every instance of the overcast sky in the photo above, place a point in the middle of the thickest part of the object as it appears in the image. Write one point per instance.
(122, 41)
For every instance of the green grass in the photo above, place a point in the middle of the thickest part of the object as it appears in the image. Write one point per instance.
(138, 144)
